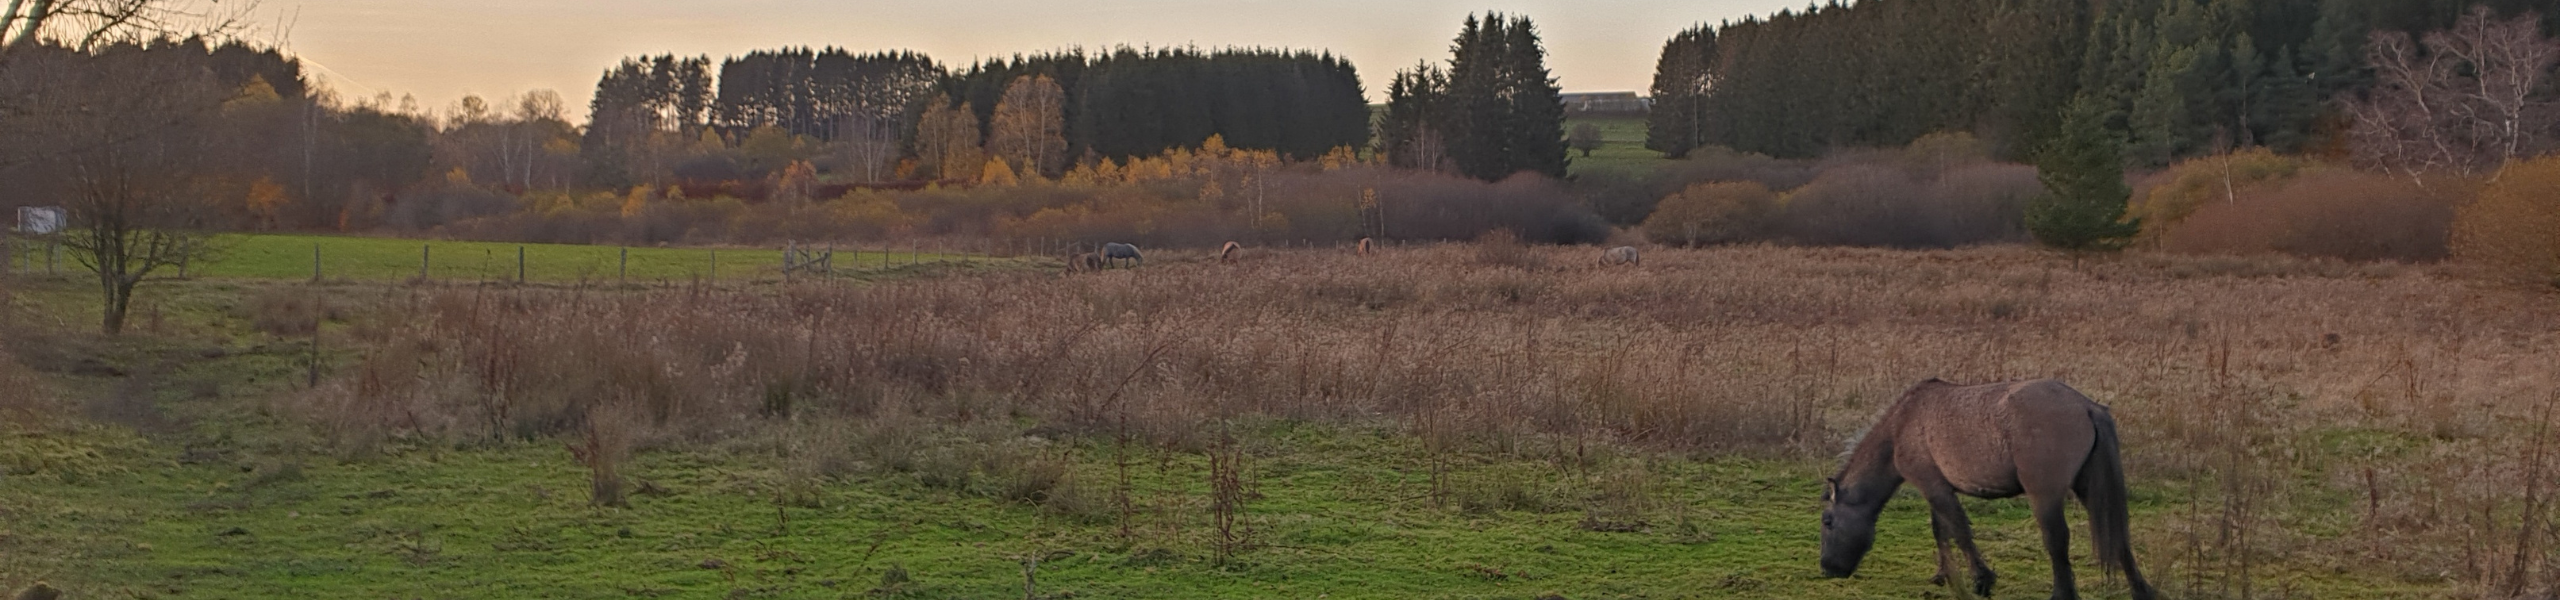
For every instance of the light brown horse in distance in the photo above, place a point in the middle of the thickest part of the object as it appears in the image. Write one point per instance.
(2038, 438)
(1366, 248)
(1622, 255)
(1084, 263)
(1230, 253)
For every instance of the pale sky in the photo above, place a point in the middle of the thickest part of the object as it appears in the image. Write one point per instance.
(442, 50)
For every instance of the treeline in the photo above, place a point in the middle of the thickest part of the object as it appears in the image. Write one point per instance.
(856, 116)
(2180, 77)
(236, 132)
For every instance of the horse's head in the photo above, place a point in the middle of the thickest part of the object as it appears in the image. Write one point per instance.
(1848, 531)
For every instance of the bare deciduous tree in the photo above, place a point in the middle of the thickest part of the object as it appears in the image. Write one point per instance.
(2465, 101)
(85, 24)
(868, 146)
(130, 146)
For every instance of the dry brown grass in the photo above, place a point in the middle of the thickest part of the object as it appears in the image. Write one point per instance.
(2309, 413)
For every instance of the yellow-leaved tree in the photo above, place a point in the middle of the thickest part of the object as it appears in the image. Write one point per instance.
(266, 201)
(996, 173)
(947, 142)
(1029, 127)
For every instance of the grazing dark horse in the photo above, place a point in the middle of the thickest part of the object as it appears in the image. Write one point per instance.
(1115, 251)
(1230, 252)
(2039, 438)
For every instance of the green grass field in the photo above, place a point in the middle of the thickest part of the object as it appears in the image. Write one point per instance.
(391, 259)
(188, 475)
(1622, 145)
(211, 494)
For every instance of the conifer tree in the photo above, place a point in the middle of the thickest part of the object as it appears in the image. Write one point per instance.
(1682, 78)
(2083, 172)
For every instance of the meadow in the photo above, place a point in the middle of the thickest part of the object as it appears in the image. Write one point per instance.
(1621, 147)
(1446, 421)
(356, 258)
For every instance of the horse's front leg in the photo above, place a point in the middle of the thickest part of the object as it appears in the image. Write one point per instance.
(1946, 513)
(2057, 543)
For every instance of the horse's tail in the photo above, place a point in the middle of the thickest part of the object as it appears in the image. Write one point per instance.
(2102, 490)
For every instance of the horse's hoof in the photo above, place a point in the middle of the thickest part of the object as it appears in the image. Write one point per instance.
(1982, 581)
(1938, 579)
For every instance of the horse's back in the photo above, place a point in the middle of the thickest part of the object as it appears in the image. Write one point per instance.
(1998, 439)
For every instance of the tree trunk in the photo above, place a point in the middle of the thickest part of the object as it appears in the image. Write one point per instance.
(119, 295)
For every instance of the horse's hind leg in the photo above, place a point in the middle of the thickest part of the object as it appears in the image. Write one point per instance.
(2057, 543)
(1947, 518)
(1939, 528)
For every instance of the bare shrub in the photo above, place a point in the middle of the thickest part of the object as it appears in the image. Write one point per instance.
(1875, 204)
(289, 311)
(2335, 214)
(1502, 248)
(1713, 213)
(2514, 226)
(604, 444)
(1861, 205)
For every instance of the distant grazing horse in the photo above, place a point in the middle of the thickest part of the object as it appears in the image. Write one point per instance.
(1366, 248)
(1622, 255)
(1085, 262)
(2040, 438)
(1115, 251)
(1230, 252)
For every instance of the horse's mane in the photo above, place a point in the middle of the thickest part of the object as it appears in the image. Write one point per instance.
(1887, 410)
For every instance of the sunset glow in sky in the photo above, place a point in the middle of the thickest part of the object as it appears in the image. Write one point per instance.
(440, 51)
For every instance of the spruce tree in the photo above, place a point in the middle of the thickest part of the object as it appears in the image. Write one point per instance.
(2083, 172)
(1681, 78)
(1535, 122)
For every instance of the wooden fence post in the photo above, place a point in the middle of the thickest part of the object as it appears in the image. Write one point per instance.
(315, 262)
(519, 265)
(623, 272)
(426, 252)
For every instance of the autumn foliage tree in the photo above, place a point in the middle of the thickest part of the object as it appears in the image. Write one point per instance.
(1029, 128)
(947, 143)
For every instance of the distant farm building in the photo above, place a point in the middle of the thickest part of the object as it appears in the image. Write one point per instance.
(1605, 103)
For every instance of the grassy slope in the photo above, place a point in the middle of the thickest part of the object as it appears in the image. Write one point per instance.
(211, 508)
(1622, 145)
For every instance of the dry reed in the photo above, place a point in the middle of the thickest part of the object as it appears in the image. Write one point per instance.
(2255, 391)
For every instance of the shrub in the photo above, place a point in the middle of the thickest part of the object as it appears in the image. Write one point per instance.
(2332, 213)
(1628, 197)
(2514, 226)
(2195, 182)
(288, 311)
(1713, 213)
(1980, 203)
